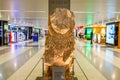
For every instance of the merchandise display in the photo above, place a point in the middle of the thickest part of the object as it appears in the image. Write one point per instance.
(21, 36)
(22, 33)
(99, 38)
(13, 34)
(99, 32)
(95, 37)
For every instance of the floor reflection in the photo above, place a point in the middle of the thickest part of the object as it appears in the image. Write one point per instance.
(9, 67)
(21, 57)
(88, 50)
(93, 54)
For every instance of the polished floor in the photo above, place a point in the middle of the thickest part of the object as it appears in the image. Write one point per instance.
(23, 61)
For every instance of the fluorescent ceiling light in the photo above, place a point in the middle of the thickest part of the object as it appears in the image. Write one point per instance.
(22, 11)
(34, 17)
(83, 12)
(9, 11)
(116, 12)
(35, 11)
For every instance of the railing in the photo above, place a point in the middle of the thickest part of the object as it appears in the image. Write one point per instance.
(86, 78)
(34, 69)
(73, 72)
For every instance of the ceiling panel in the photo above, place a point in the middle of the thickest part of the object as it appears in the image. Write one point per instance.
(94, 10)
(36, 11)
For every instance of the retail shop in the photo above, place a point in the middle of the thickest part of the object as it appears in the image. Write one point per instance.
(80, 31)
(20, 33)
(99, 33)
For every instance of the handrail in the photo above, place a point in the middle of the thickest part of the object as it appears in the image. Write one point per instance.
(33, 68)
(81, 69)
(42, 58)
(42, 66)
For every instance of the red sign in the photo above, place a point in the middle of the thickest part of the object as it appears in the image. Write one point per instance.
(79, 27)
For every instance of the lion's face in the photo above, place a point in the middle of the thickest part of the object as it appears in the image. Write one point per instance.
(61, 20)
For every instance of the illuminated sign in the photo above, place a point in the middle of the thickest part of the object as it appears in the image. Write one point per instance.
(110, 36)
(88, 33)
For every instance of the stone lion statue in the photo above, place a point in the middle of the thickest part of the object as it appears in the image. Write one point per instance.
(59, 44)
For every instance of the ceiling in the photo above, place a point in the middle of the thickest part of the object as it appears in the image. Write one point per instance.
(35, 12)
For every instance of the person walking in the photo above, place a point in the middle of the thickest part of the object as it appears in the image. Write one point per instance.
(91, 37)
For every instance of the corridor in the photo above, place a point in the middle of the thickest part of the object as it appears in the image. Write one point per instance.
(23, 61)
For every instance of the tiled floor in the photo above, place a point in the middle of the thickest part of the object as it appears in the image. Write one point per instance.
(23, 61)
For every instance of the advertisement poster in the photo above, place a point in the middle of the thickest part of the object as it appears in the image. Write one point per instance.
(110, 36)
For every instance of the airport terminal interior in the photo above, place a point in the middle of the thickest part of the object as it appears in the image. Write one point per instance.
(26, 34)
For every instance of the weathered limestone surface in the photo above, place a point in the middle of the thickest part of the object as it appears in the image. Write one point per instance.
(59, 45)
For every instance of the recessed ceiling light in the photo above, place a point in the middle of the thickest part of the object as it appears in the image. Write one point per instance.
(115, 12)
(22, 11)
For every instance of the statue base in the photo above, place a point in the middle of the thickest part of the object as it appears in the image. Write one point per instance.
(41, 78)
(58, 73)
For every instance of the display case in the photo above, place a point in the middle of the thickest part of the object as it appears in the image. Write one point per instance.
(1, 31)
(1, 35)
(30, 29)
